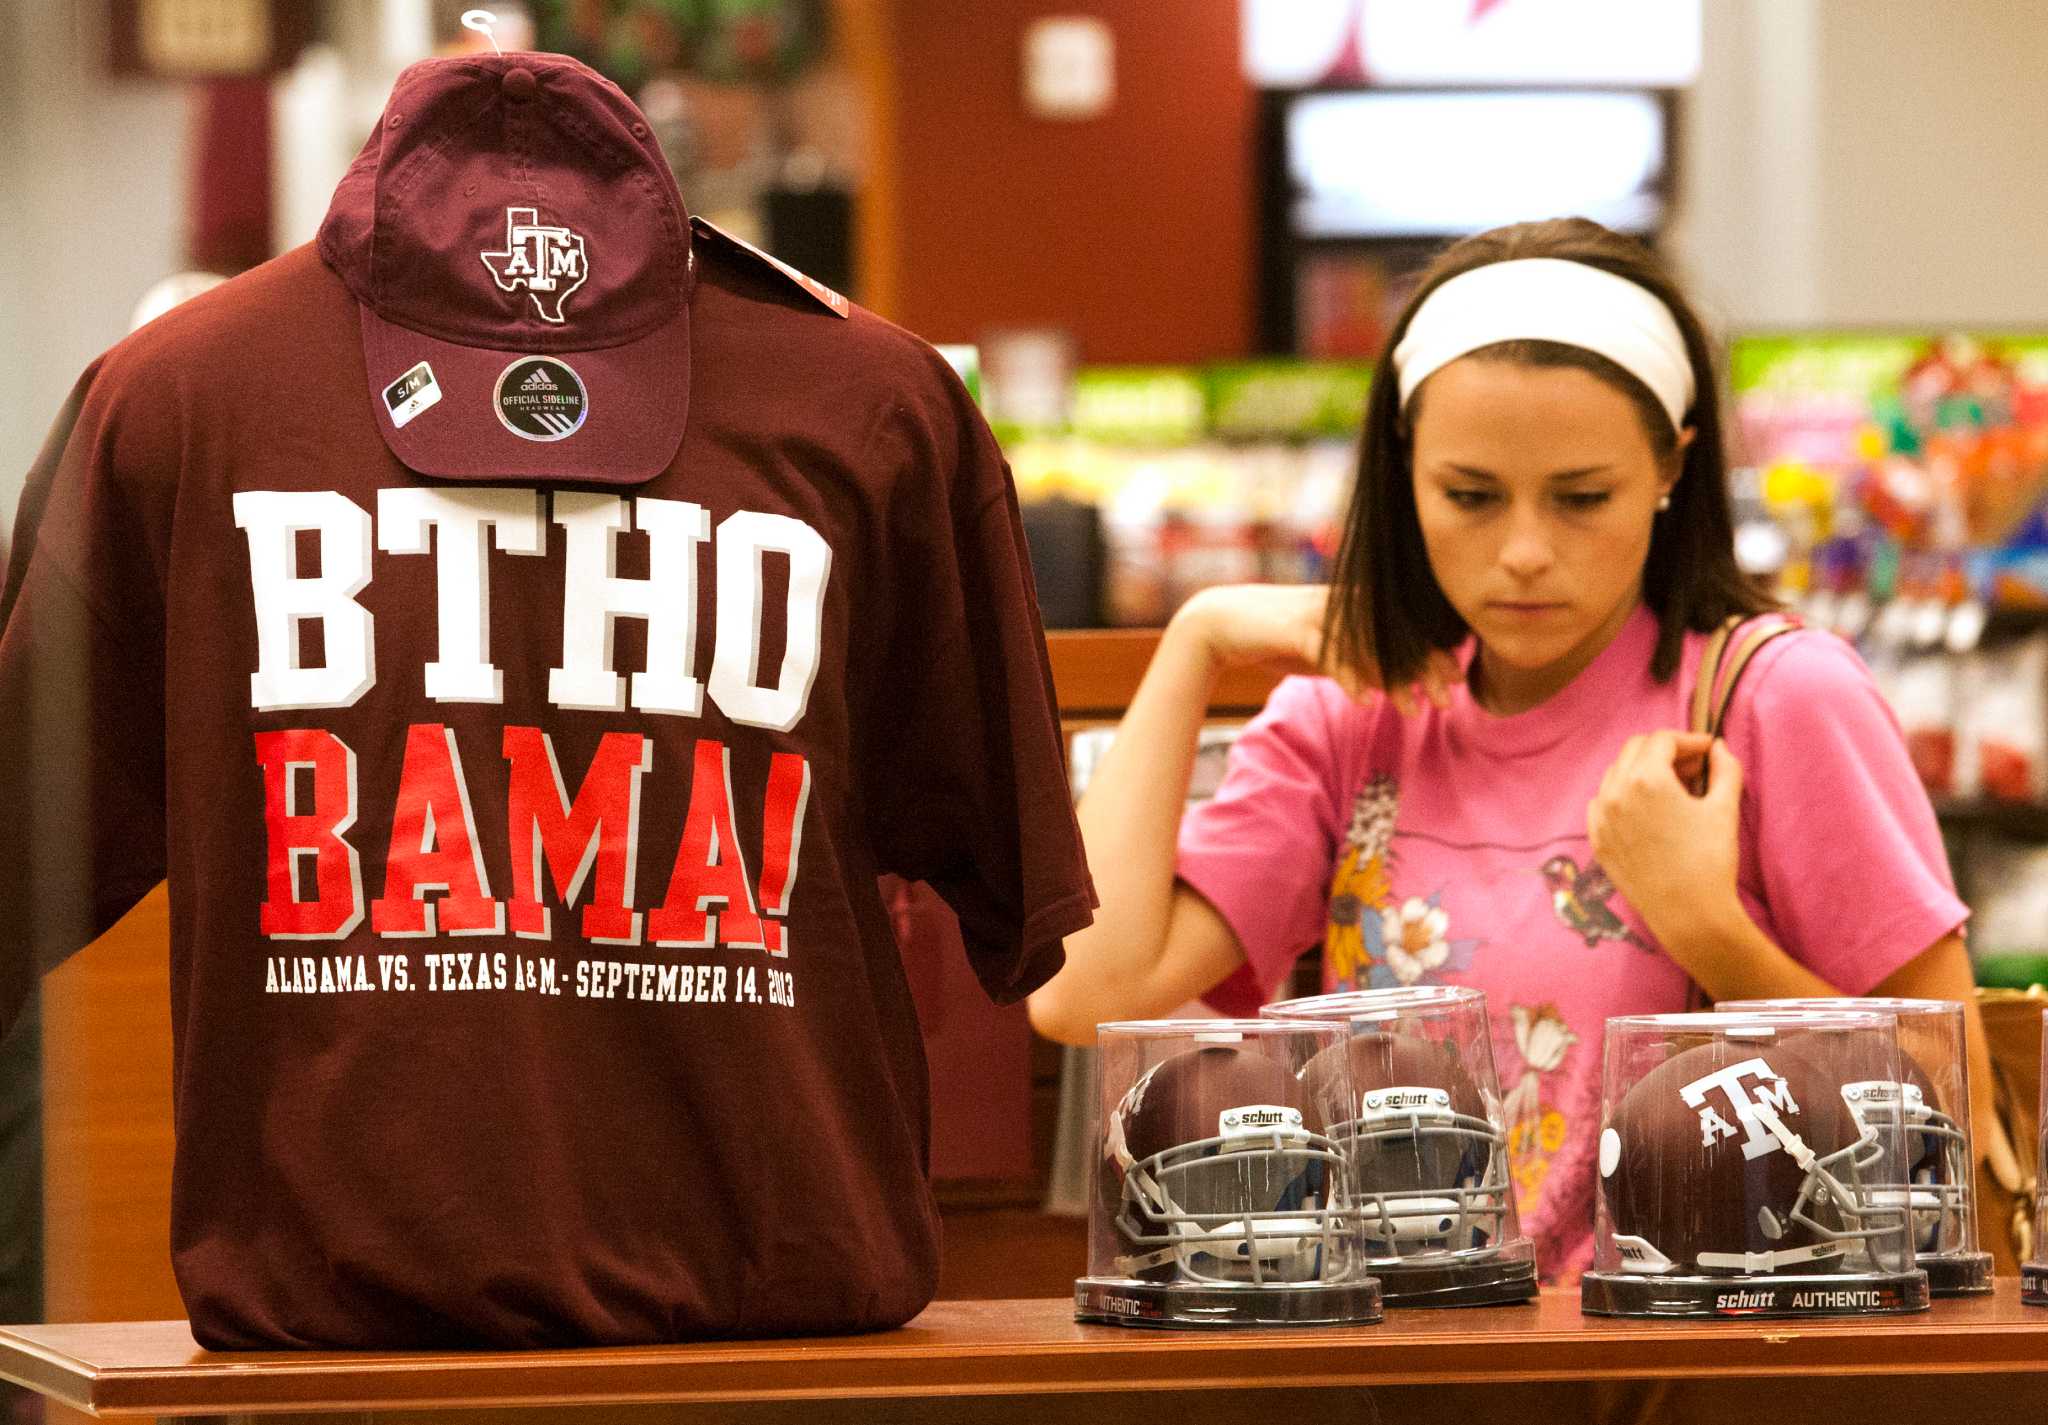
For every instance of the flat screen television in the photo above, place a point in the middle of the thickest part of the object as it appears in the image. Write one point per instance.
(1397, 163)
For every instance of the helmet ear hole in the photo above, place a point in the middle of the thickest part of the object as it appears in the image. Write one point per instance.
(1767, 1221)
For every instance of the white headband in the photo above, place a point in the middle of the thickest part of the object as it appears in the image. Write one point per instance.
(1549, 299)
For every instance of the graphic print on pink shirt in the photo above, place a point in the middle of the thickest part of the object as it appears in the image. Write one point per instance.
(1580, 896)
(1376, 939)
(1537, 1128)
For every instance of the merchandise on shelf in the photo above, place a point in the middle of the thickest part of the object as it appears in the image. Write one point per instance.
(2006, 723)
(1905, 475)
(1975, 724)
(1229, 474)
(1896, 487)
(2009, 912)
(1921, 689)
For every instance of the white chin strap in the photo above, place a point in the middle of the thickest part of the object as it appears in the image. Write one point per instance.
(1421, 1219)
(1273, 1241)
(1549, 299)
(1785, 1257)
(1769, 1261)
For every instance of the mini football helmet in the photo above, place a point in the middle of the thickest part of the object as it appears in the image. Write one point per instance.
(1214, 1170)
(1430, 1164)
(1742, 1156)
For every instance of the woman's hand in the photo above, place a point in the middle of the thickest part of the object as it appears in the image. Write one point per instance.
(1670, 853)
(1282, 625)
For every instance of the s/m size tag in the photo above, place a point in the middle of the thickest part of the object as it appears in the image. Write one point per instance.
(410, 394)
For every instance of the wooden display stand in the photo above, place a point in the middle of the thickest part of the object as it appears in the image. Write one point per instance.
(1012, 1361)
(1095, 673)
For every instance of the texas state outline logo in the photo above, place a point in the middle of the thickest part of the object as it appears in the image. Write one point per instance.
(544, 260)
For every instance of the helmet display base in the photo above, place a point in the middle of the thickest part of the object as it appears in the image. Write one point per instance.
(2034, 1283)
(1120, 1301)
(1832, 1294)
(1957, 1273)
(1484, 1279)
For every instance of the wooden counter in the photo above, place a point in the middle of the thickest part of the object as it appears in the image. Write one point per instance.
(1095, 673)
(992, 1359)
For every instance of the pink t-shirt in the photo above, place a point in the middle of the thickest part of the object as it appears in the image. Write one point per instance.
(1451, 848)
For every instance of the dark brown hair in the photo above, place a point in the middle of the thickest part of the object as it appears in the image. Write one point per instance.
(1386, 608)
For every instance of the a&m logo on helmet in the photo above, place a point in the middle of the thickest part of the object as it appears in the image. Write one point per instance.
(1751, 1090)
(540, 259)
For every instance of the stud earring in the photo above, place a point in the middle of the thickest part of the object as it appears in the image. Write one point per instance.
(1663, 503)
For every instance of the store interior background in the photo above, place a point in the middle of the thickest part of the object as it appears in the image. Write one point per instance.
(1837, 163)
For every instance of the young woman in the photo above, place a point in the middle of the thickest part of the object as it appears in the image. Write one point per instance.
(1484, 782)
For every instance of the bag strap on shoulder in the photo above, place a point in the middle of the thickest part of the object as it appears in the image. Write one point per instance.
(1723, 662)
(1710, 666)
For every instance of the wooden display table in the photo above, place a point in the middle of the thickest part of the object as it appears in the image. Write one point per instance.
(1095, 674)
(1028, 1360)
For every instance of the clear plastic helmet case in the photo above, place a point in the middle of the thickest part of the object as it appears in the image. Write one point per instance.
(1428, 1144)
(2034, 1271)
(1931, 1102)
(1222, 1198)
(1742, 1173)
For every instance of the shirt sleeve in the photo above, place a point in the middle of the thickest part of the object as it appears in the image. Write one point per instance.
(964, 775)
(1261, 849)
(1843, 847)
(81, 702)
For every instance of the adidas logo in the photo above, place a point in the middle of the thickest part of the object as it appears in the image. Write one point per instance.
(538, 381)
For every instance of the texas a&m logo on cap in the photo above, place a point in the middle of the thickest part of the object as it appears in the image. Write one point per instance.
(545, 261)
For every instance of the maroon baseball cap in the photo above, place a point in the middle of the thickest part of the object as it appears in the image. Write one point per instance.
(521, 258)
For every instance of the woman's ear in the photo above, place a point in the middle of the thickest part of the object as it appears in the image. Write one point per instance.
(1674, 466)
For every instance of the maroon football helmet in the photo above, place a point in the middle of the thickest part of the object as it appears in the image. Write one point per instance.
(1742, 1156)
(1430, 1162)
(1216, 1169)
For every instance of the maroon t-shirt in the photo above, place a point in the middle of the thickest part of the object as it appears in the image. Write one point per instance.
(530, 984)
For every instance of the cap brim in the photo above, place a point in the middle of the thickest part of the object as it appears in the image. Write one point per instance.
(636, 401)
